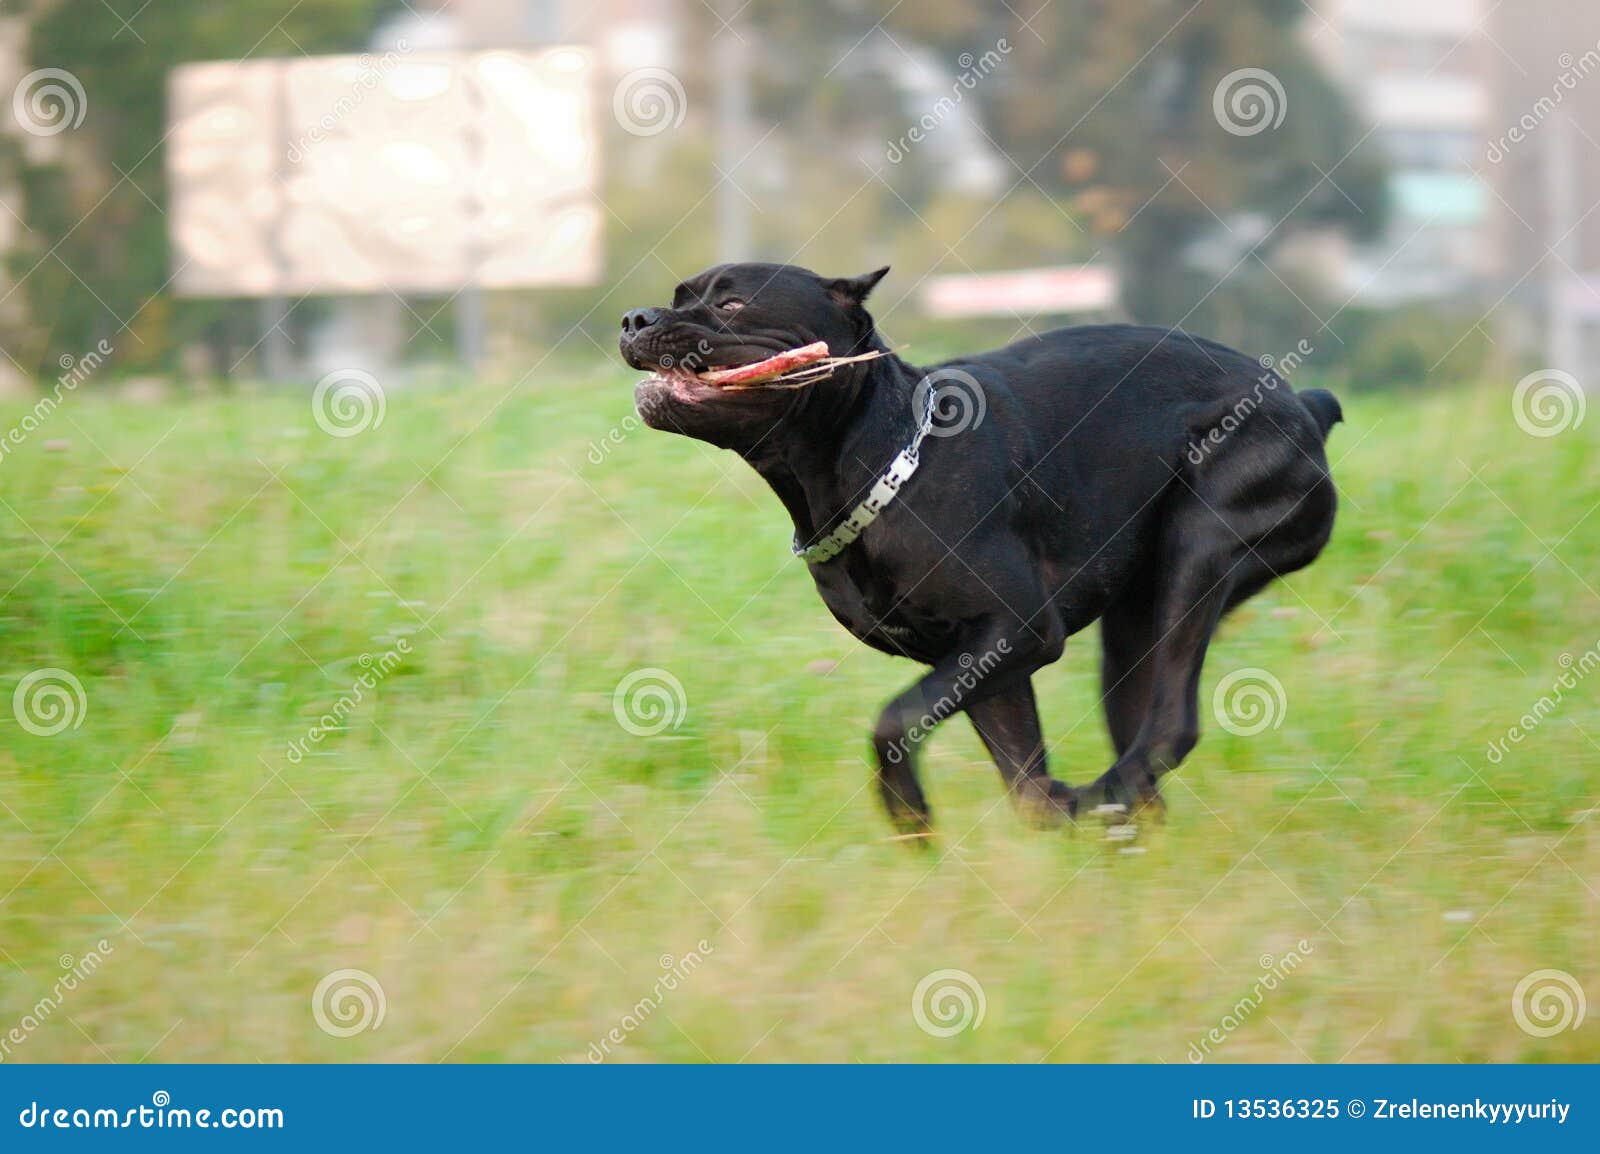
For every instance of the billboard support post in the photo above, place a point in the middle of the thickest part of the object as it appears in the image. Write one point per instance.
(470, 328)
(276, 357)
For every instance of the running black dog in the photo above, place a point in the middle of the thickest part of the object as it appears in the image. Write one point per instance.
(1142, 476)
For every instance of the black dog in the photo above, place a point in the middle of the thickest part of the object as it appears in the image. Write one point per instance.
(1142, 476)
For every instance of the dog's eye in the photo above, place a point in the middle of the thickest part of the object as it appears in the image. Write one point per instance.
(731, 305)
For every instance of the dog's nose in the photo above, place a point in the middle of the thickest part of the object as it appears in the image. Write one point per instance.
(637, 320)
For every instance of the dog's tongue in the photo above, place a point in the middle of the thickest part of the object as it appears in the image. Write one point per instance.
(773, 366)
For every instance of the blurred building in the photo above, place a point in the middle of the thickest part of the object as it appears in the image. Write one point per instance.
(1542, 158)
(626, 34)
(1421, 73)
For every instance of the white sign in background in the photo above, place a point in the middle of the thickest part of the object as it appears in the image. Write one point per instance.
(419, 172)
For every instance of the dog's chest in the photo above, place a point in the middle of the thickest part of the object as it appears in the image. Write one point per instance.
(876, 613)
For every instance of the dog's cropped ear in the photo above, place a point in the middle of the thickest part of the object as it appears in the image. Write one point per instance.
(852, 290)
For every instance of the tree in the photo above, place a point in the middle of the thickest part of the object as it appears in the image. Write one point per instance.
(1156, 123)
(96, 258)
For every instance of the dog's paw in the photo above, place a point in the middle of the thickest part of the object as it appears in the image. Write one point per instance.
(912, 826)
(1049, 807)
(1121, 795)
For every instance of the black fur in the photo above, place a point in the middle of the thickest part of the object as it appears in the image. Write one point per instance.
(1140, 476)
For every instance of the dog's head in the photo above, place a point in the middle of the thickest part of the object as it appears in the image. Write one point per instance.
(733, 315)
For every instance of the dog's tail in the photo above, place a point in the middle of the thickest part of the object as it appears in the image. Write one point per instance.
(1324, 407)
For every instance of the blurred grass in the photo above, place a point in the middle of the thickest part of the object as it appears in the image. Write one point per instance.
(510, 863)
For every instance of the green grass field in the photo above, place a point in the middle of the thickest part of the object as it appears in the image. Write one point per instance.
(514, 867)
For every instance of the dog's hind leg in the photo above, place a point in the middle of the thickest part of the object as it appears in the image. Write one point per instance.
(1008, 723)
(1221, 544)
(1127, 637)
(1198, 569)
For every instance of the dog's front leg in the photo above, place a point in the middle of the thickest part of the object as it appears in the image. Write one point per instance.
(1008, 723)
(995, 663)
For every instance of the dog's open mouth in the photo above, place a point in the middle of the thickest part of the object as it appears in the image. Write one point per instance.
(756, 374)
(774, 368)
(790, 369)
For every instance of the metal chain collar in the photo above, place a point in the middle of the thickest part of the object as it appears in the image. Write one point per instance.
(884, 490)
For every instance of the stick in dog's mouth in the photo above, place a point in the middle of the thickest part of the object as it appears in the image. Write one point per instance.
(789, 369)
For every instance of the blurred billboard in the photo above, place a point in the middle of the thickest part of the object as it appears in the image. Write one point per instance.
(411, 172)
(1022, 293)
